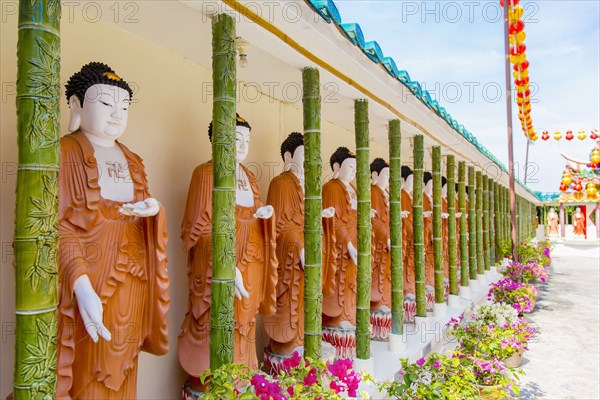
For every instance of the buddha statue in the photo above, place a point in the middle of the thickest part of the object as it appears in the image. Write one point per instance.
(408, 251)
(381, 276)
(552, 219)
(112, 278)
(339, 308)
(579, 227)
(256, 263)
(286, 194)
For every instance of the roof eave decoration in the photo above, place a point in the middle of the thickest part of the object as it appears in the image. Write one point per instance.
(330, 13)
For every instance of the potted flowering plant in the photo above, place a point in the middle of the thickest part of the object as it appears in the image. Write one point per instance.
(298, 379)
(492, 379)
(525, 272)
(528, 252)
(492, 331)
(520, 296)
(545, 248)
(434, 377)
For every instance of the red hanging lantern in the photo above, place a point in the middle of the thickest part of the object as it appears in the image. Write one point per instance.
(510, 3)
(594, 134)
(569, 135)
(577, 186)
(563, 187)
(517, 27)
(545, 135)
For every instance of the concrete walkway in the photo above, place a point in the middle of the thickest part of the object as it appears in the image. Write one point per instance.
(563, 362)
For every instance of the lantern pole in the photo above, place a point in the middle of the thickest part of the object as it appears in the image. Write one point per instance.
(511, 163)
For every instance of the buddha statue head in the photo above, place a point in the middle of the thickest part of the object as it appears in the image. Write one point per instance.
(428, 182)
(343, 164)
(407, 178)
(242, 137)
(99, 102)
(292, 153)
(380, 173)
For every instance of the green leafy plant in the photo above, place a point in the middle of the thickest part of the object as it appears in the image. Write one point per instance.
(435, 377)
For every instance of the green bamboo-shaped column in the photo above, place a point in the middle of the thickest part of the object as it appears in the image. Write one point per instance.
(313, 227)
(491, 223)
(363, 180)
(36, 212)
(497, 217)
(464, 237)
(486, 222)
(479, 224)
(451, 200)
(472, 226)
(418, 239)
(438, 249)
(396, 229)
(507, 225)
(223, 195)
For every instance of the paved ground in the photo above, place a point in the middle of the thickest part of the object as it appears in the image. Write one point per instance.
(564, 361)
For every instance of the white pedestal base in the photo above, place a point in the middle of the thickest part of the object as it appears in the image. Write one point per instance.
(474, 286)
(397, 343)
(453, 300)
(465, 293)
(495, 273)
(439, 310)
(422, 324)
(488, 276)
(482, 281)
(367, 366)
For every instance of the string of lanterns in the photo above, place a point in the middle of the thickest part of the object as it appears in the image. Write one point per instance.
(518, 57)
(569, 135)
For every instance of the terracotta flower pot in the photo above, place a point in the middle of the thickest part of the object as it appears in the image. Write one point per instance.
(515, 360)
(490, 392)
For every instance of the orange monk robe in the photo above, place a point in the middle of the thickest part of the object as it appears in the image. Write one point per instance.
(341, 305)
(579, 224)
(552, 219)
(408, 251)
(428, 242)
(381, 286)
(446, 261)
(125, 260)
(255, 258)
(286, 326)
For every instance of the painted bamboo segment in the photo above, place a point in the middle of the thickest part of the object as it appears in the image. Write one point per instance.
(397, 266)
(464, 237)
(497, 231)
(452, 246)
(36, 212)
(313, 227)
(472, 226)
(486, 222)
(479, 224)
(438, 250)
(223, 196)
(363, 180)
(491, 216)
(418, 238)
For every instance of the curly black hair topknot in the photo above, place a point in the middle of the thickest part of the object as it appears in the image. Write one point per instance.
(378, 165)
(291, 143)
(340, 155)
(94, 73)
(239, 121)
(405, 172)
(427, 177)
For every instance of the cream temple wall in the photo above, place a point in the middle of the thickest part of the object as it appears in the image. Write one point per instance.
(168, 129)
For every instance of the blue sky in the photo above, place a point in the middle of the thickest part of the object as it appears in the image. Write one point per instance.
(455, 48)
